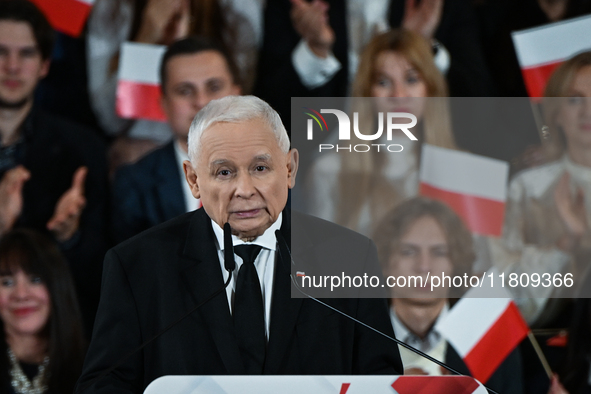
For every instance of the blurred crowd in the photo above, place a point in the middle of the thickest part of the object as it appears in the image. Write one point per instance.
(76, 178)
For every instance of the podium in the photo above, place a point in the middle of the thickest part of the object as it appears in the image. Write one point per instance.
(317, 384)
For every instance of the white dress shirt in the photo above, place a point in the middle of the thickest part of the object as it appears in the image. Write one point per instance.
(434, 344)
(264, 263)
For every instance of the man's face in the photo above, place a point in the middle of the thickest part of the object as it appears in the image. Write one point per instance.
(241, 176)
(21, 64)
(192, 82)
(424, 252)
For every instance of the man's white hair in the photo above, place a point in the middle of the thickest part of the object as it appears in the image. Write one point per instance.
(234, 109)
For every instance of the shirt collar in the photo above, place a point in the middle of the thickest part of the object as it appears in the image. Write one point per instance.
(405, 335)
(267, 240)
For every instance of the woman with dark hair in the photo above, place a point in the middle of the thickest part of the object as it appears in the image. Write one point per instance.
(43, 343)
(425, 238)
(398, 71)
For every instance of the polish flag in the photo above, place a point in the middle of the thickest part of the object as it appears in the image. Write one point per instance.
(484, 331)
(66, 16)
(475, 187)
(138, 87)
(542, 49)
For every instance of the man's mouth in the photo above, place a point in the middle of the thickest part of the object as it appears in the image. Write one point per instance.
(11, 83)
(247, 213)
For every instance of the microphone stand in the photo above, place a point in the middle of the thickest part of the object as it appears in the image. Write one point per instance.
(284, 251)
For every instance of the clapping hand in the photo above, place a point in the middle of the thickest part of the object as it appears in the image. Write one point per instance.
(422, 18)
(66, 217)
(164, 21)
(310, 20)
(11, 196)
(572, 212)
(556, 387)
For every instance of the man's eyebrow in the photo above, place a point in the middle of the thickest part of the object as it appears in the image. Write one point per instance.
(219, 162)
(29, 48)
(183, 84)
(265, 157)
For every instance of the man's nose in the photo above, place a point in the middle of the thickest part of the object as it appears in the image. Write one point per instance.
(245, 186)
(423, 262)
(200, 101)
(12, 62)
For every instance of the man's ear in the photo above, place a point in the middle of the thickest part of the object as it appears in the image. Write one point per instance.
(292, 166)
(44, 68)
(191, 177)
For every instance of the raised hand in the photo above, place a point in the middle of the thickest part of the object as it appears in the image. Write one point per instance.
(556, 387)
(11, 196)
(572, 212)
(311, 22)
(159, 21)
(178, 25)
(66, 217)
(422, 18)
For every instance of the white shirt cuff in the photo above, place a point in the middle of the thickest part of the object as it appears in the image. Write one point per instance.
(313, 71)
(442, 58)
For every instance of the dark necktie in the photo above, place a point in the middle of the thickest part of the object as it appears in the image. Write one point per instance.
(249, 313)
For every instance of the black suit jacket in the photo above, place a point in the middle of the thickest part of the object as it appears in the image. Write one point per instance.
(146, 193)
(153, 279)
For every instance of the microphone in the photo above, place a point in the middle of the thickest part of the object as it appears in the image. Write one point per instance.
(229, 262)
(285, 254)
(229, 265)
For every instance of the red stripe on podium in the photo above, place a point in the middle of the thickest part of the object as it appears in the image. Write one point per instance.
(344, 388)
(434, 385)
(481, 215)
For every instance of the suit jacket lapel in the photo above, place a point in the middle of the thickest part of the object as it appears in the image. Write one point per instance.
(169, 188)
(284, 309)
(203, 276)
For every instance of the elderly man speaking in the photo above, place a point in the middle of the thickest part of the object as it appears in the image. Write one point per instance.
(241, 168)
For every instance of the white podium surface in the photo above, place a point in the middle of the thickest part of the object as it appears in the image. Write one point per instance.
(334, 384)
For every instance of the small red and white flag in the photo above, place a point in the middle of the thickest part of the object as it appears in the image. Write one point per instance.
(542, 49)
(475, 187)
(484, 331)
(66, 16)
(138, 87)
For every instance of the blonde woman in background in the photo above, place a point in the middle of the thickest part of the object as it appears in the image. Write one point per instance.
(547, 214)
(355, 189)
